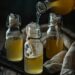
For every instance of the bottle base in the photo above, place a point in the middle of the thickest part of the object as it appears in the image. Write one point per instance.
(15, 60)
(34, 72)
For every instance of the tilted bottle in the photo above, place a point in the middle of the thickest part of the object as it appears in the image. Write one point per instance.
(54, 41)
(33, 50)
(14, 40)
(58, 6)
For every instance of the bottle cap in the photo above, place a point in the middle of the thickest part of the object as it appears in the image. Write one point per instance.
(13, 19)
(54, 19)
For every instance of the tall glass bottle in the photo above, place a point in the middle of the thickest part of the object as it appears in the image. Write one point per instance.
(14, 40)
(54, 41)
(33, 51)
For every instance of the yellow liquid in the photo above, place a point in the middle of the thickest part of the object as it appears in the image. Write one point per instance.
(53, 46)
(62, 6)
(33, 65)
(14, 49)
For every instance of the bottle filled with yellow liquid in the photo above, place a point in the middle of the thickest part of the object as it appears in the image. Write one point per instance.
(34, 65)
(53, 46)
(33, 51)
(54, 41)
(14, 40)
(58, 6)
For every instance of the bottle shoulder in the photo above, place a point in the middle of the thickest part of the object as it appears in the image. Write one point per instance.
(34, 41)
(51, 31)
(12, 33)
(54, 33)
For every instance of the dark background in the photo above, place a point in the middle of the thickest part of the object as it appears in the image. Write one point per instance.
(27, 10)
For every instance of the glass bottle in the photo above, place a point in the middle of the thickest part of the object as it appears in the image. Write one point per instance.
(54, 41)
(33, 50)
(14, 40)
(58, 6)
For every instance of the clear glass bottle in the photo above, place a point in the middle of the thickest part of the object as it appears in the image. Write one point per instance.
(54, 41)
(33, 50)
(14, 40)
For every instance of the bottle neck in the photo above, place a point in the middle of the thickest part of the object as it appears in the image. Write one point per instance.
(34, 33)
(52, 28)
(34, 39)
(33, 36)
(13, 28)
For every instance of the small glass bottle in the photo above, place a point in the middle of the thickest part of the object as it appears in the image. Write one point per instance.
(33, 50)
(14, 40)
(54, 41)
